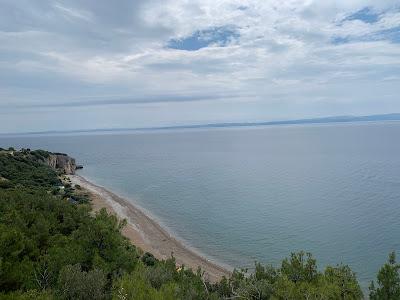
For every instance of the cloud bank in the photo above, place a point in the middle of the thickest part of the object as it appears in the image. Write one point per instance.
(89, 64)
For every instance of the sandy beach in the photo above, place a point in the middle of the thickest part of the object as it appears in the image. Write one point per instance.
(146, 233)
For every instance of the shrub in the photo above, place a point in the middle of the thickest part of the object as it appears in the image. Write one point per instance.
(148, 259)
(73, 283)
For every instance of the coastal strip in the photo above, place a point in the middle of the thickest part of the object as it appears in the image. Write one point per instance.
(146, 233)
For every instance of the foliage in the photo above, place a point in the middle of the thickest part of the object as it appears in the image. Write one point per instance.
(297, 278)
(388, 280)
(148, 259)
(29, 295)
(162, 281)
(53, 247)
(73, 283)
(44, 236)
(27, 169)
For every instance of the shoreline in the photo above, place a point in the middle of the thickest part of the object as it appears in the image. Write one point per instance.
(146, 233)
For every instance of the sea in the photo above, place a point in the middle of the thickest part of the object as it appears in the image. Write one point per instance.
(241, 195)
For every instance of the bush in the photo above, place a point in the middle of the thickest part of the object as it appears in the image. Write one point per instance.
(73, 283)
(5, 184)
(159, 275)
(298, 278)
(148, 259)
(27, 171)
(29, 295)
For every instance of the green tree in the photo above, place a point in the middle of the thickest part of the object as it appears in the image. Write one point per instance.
(300, 267)
(343, 280)
(388, 281)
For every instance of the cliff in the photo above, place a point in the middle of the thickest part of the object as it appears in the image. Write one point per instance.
(62, 162)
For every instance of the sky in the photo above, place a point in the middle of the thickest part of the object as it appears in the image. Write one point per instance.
(80, 64)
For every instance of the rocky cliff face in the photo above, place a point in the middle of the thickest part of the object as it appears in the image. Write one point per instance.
(62, 162)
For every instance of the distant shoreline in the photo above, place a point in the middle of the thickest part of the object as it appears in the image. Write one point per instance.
(310, 121)
(146, 233)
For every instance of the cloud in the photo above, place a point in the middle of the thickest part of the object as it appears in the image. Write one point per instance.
(112, 100)
(366, 25)
(74, 13)
(219, 37)
(297, 57)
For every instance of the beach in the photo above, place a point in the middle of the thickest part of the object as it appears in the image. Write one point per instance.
(145, 233)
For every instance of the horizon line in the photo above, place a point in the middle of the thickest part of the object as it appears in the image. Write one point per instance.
(319, 120)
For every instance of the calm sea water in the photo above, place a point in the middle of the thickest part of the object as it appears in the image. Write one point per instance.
(240, 195)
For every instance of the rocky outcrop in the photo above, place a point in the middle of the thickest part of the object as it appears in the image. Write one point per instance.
(62, 162)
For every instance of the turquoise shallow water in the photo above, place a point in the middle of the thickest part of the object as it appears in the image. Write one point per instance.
(240, 195)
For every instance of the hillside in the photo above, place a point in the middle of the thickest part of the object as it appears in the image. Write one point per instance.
(53, 247)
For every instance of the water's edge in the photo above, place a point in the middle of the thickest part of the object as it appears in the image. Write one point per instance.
(117, 202)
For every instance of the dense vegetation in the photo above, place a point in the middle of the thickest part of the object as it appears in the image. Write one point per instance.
(26, 169)
(53, 247)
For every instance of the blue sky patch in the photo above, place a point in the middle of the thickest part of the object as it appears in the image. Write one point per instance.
(366, 15)
(392, 35)
(338, 40)
(220, 36)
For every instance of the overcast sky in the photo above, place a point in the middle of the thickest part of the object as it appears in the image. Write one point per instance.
(82, 64)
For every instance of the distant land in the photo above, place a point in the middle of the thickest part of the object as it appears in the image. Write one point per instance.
(323, 120)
